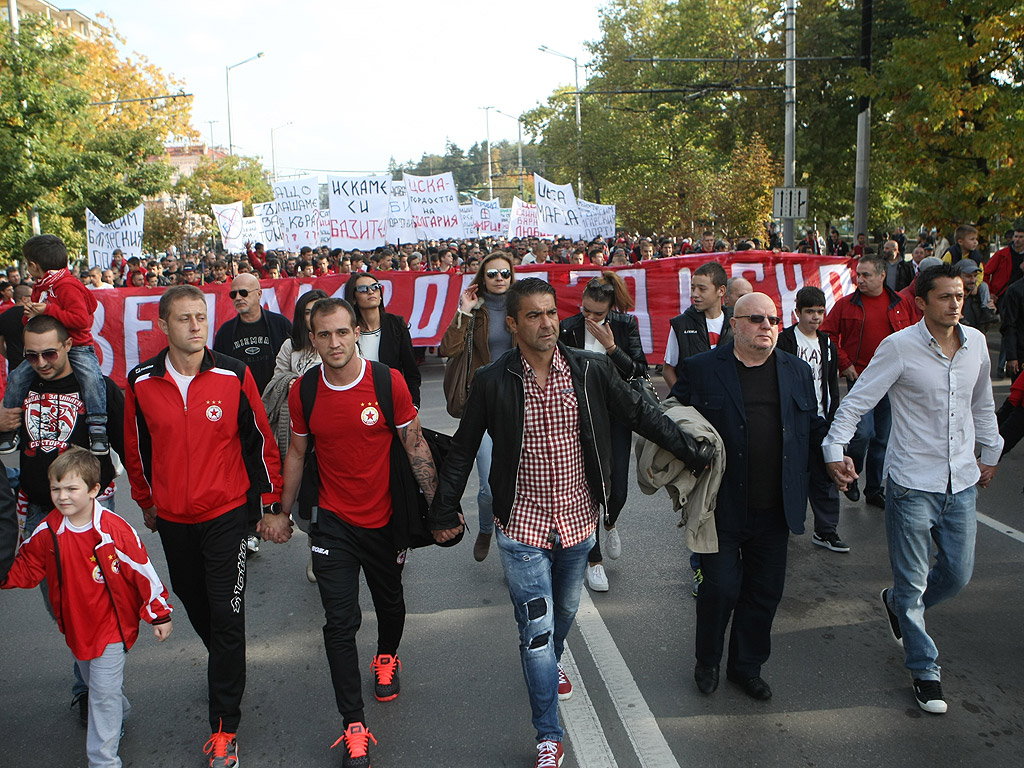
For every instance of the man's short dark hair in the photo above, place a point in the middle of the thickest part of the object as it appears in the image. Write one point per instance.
(48, 251)
(879, 265)
(328, 307)
(715, 271)
(45, 324)
(174, 293)
(809, 296)
(926, 277)
(531, 286)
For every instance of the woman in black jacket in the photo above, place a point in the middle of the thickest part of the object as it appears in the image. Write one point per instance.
(382, 336)
(602, 326)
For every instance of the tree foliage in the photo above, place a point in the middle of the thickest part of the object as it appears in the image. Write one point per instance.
(222, 180)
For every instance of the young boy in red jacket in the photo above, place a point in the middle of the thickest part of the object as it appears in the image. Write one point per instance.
(59, 293)
(100, 582)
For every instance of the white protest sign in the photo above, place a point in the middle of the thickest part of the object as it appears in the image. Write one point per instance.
(400, 226)
(358, 211)
(325, 228)
(434, 204)
(522, 219)
(270, 225)
(229, 222)
(486, 217)
(506, 215)
(298, 206)
(124, 233)
(466, 217)
(558, 214)
(598, 219)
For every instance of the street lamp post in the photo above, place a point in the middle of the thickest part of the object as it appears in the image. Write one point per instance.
(227, 82)
(273, 152)
(519, 125)
(579, 119)
(487, 129)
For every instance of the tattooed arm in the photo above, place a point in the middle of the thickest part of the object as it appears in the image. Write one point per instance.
(419, 457)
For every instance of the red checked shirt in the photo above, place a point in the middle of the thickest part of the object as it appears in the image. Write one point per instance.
(552, 491)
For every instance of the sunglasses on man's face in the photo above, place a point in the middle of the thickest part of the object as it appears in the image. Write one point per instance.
(368, 288)
(243, 292)
(48, 355)
(493, 273)
(758, 319)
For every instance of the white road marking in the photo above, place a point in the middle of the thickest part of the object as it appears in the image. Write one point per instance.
(582, 726)
(648, 741)
(1003, 528)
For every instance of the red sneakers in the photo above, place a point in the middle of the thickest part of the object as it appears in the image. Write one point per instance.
(549, 754)
(564, 686)
(385, 672)
(222, 749)
(357, 746)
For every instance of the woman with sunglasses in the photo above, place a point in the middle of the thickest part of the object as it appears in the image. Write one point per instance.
(382, 336)
(482, 306)
(602, 326)
(295, 357)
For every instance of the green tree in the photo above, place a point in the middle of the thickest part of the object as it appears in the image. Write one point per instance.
(221, 181)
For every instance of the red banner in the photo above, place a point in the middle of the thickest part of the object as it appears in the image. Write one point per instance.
(127, 333)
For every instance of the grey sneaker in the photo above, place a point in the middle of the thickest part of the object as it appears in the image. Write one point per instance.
(613, 544)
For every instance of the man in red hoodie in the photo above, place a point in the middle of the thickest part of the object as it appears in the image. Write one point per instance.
(857, 324)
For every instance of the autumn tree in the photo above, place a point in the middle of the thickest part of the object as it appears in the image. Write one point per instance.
(222, 180)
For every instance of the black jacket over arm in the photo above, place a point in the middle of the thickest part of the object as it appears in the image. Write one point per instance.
(496, 404)
(396, 352)
(628, 357)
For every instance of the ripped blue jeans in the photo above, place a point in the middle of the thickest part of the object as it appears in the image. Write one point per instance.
(544, 585)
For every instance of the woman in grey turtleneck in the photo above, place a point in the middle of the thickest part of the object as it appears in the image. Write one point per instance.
(482, 305)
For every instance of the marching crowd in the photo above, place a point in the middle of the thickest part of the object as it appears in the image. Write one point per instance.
(248, 432)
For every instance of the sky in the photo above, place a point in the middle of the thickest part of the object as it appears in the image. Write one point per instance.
(360, 82)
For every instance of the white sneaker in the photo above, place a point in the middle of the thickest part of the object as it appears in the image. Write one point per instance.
(613, 544)
(596, 578)
(253, 544)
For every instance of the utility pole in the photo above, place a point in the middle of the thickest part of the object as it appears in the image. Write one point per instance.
(487, 129)
(12, 14)
(862, 182)
(227, 82)
(789, 161)
(519, 125)
(579, 118)
(211, 122)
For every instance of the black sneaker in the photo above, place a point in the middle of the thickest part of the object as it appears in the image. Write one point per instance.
(9, 442)
(852, 492)
(929, 696)
(876, 500)
(356, 743)
(831, 541)
(99, 445)
(385, 676)
(894, 623)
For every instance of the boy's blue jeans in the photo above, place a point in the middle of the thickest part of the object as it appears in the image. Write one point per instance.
(90, 379)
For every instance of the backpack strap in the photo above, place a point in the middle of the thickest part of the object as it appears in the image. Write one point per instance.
(382, 386)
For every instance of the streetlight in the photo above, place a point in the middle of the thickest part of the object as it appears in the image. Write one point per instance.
(519, 124)
(227, 80)
(273, 153)
(211, 122)
(487, 128)
(579, 125)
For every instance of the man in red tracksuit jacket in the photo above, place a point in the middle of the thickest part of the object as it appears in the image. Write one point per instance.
(857, 324)
(196, 440)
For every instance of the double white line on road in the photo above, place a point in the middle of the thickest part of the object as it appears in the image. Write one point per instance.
(580, 719)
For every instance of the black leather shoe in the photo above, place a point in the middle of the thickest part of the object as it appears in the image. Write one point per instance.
(706, 677)
(702, 457)
(852, 493)
(876, 500)
(754, 687)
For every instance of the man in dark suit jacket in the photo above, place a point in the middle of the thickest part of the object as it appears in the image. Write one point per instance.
(762, 402)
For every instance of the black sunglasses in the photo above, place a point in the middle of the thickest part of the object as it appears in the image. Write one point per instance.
(243, 292)
(758, 319)
(49, 355)
(493, 273)
(368, 287)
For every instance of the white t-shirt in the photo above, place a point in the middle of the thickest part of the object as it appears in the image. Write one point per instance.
(715, 328)
(369, 345)
(808, 350)
(180, 379)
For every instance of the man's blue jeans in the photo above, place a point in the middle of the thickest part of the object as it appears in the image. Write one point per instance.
(867, 448)
(92, 387)
(484, 503)
(913, 521)
(544, 585)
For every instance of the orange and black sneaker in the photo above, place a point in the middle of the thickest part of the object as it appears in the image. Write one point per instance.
(357, 746)
(385, 676)
(222, 749)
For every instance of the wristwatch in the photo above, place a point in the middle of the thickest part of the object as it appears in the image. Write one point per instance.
(273, 508)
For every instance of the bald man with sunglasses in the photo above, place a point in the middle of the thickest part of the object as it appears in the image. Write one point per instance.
(761, 401)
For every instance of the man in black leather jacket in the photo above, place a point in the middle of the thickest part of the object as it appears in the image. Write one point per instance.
(548, 409)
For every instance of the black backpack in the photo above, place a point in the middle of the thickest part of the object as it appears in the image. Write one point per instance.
(409, 506)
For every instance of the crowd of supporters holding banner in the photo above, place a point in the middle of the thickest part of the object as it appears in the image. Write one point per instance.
(754, 429)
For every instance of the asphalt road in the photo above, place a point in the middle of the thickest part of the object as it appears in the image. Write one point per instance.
(842, 696)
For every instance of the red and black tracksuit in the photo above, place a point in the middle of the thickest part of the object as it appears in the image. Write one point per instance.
(195, 462)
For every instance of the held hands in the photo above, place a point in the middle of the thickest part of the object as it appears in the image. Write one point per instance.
(602, 332)
(468, 300)
(442, 536)
(850, 374)
(842, 472)
(275, 528)
(149, 517)
(162, 631)
(987, 473)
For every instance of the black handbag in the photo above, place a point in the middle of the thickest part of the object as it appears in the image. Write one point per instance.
(645, 387)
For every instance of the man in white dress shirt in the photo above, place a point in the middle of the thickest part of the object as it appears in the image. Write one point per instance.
(936, 374)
